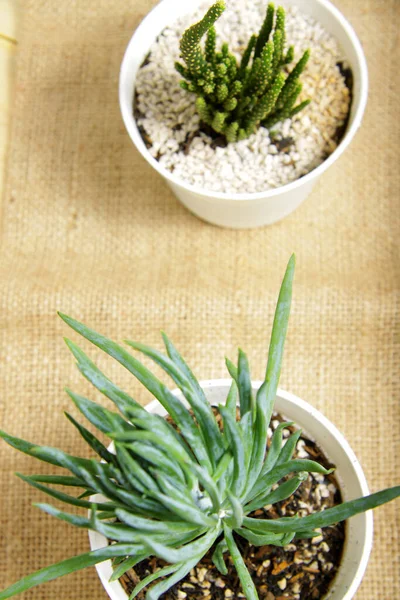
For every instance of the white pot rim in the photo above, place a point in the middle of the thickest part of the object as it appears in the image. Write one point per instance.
(130, 122)
(104, 570)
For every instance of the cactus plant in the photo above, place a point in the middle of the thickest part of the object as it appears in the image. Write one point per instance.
(175, 492)
(235, 98)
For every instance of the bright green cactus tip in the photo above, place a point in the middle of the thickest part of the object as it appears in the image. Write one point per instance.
(173, 492)
(235, 99)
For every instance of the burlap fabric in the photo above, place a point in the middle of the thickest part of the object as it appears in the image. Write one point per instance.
(90, 229)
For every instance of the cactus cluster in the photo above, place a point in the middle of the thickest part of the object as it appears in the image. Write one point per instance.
(233, 98)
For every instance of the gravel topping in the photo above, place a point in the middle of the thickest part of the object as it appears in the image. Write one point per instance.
(170, 126)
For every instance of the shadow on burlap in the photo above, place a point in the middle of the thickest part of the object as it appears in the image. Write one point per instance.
(89, 229)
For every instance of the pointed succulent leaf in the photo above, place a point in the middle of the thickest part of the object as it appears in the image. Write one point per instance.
(186, 552)
(248, 586)
(65, 567)
(163, 586)
(278, 472)
(153, 577)
(275, 447)
(267, 393)
(93, 442)
(235, 438)
(286, 452)
(151, 526)
(66, 498)
(284, 491)
(218, 556)
(327, 517)
(125, 565)
(244, 384)
(175, 408)
(266, 539)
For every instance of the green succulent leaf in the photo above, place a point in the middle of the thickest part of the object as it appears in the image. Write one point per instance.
(325, 518)
(65, 567)
(245, 579)
(218, 556)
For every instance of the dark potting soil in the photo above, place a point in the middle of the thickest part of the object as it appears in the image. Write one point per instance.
(302, 570)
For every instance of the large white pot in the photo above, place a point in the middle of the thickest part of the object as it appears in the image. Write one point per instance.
(229, 209)
(348, 472)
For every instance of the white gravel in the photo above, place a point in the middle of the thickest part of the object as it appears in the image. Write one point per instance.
(255, 164)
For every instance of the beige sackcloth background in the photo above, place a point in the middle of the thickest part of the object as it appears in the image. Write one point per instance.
(90, 229)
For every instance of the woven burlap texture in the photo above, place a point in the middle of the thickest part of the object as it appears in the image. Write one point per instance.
(88, 228)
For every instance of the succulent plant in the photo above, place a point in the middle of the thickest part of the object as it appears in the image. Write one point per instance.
(232, 98)
(175, 491)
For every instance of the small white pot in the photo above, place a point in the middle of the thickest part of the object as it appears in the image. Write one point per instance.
(229, 209)
(348, 472)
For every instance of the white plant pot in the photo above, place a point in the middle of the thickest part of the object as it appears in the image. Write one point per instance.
(349, 473)
(230, 209)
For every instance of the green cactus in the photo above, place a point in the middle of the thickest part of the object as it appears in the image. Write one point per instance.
(235, 99)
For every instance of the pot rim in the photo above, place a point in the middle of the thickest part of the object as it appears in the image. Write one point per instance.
(131, 126)
(115, 589)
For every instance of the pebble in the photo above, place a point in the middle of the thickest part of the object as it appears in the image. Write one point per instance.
(254, 164)
(282, 583)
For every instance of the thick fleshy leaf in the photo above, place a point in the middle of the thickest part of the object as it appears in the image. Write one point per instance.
(66, 567)
(187, 513)
(177, 453)
(121, 533)
(153, 577)
(67, 499)
(125, 499)
(126, 404)
(266, 539)
(234, 436)
(75, 520)
(231, 400)
(267, 393)
(236, 518)
(285, 490)
(325, 518)
(58, 480)
(104, 420)
(172, 488)
(201, 408)
(163, 586)
(152, 526)
(174, 407)
(248, 586)
(246, 427)
(290, 445)
(258, 448)
(183, 366)
(218, 556)
(133, 470)
(158, 458)
(53, 456)
(275, 448)
(186, 552)
(92, 373)
(223, 465)
(128, 563)
(92, 440)
(276, 474)
(244, 384)
(233, 372)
